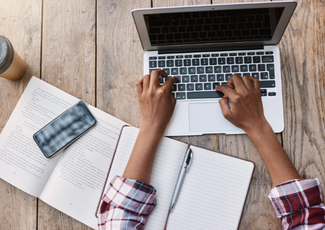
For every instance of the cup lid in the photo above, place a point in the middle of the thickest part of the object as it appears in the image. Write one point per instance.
(6, 54)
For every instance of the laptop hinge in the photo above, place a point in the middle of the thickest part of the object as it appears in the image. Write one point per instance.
(210, 49)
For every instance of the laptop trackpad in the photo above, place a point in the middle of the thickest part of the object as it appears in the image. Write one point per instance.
(207, 117)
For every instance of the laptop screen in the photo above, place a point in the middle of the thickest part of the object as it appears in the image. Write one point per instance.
(239, 25)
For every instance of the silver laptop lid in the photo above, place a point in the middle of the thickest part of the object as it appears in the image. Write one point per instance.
(207, 26)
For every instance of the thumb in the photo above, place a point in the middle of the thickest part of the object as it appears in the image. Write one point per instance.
(225, 107)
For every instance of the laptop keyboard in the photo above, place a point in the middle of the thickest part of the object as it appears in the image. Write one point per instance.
(199, 74)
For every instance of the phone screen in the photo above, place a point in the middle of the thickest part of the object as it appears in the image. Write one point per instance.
(64, 129)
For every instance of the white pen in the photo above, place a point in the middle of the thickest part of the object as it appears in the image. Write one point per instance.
(184, 169)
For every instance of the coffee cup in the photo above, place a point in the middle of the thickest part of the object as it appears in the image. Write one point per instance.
(12, 66)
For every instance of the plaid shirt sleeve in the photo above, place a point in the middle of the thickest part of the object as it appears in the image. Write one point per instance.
(299, 204)
(126, 204)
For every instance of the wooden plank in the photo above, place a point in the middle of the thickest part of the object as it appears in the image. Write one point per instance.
(68, 62)
(119, 59)
(258, 212)
(303, 57)
(20, 21)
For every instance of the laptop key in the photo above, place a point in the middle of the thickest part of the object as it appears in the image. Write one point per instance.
(248, 60)
(261, 67)
(191, 70)
(198, 86)
(211, 77)
(204, 94)
(235, 68)
(270, 68)
(230, 60)
(170, 63)
(180, 95)
(152, 58)
(252, 68)
(243, 68)
(181, 87)
(203, 78)
(207, 86)
(183, 70)
(264, 75)
(204, 61)
(187, 62)
(221, 61)
(195, 62)
(215, 84)
(161, 63)
(152, 64)
(267, 84)
(246, 74)
(272, 93)
(263, 92)
(209, 69)
(226, 69)
(220, 77)
(256, 75)
(185, 78)
(217, 69)
(267, 59)
(194, 78)
(190, 87)
(256, 59)
(213, 61)
(200, 69)
(239, 60)
(174, 71)
(228, 76)
(179, 62)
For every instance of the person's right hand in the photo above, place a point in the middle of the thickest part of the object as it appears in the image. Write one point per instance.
(246, 111)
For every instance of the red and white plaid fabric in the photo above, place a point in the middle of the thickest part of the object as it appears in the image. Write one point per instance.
(126, 204)
(300, 204)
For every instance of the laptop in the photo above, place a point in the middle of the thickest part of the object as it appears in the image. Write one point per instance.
(204, 46)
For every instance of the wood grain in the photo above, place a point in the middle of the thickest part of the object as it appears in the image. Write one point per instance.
(20, 22)
(302, 56)
(68, 62)
(119, 59)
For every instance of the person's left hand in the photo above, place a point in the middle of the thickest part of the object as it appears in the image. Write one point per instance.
(157, 102)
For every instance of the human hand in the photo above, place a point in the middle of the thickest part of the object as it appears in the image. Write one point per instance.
(157, 102)
(246, 111)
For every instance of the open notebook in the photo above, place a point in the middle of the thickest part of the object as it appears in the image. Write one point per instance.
(213, 193)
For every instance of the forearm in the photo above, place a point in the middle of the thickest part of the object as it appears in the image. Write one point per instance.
(143, 154)
(278, 163)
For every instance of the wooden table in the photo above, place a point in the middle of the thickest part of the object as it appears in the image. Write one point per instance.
(91, 50)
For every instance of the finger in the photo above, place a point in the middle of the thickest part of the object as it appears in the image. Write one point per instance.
(169, 83)
(237, 82)
(139, 86)
(155, 78)
(146, 81)
(228, 91)
(248, 82)
(256, 83)
(226, 111)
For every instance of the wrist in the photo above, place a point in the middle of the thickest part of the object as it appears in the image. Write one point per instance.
(152, 130)
(259, 129)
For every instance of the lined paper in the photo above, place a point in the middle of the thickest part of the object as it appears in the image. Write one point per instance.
(169, 157)
(213, 193)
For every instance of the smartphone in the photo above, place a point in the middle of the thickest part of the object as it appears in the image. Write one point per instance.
(64, 129)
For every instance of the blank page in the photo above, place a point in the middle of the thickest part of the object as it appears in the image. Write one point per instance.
(166, 167)
(213, 193)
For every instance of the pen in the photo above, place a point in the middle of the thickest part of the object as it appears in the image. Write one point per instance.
(184, 169)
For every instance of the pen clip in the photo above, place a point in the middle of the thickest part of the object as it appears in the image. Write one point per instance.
(188, 160)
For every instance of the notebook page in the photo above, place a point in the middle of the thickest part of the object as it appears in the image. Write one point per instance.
(213, 192)
(169, 157)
